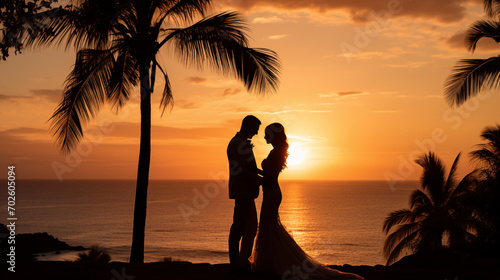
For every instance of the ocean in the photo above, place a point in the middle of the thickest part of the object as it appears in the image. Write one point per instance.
(337, 222)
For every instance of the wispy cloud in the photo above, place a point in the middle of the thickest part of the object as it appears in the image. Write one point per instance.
(28, 133)
(343, 93)
(273, 19)
(292, 111)
(197, 80)
(51, 95)
(445, 11)
(276, 37)
(231, 91)
(54, 95)
(211, 81)
(13, 97)
(183, 104)
(369, 55)
(129, 129)
(415, 64)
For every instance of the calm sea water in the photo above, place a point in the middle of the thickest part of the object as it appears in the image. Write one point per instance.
(337, 222)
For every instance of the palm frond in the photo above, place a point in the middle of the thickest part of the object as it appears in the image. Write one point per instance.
(419, 199)
(400, 239)
(230, 25)
(124, 78)
(451, 180)
(491, 134)
(57, 26)
(84, 93)
(432, 178)
(220, 42)
(403, 244)
(463, 228)
(485, 156)
(167, 98)
(88, 25)
(482, 29)
(183, 10)
(470, 76)
(464, 185)
(397, 217)
(492, 7)
(257, 68)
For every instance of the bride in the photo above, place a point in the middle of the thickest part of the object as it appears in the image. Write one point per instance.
(275, 251)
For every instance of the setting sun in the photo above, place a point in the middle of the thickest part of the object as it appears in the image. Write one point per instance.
(296, 154)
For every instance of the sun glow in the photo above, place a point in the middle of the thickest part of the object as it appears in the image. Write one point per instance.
(296, 154)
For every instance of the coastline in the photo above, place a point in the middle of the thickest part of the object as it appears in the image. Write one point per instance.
(484, 269)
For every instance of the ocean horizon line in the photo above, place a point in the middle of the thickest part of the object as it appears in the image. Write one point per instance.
(210, 179)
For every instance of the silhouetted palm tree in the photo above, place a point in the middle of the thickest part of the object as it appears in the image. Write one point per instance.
(492, 7)
(488, 190)
(435, 213)
(118, 42)
(470, 76)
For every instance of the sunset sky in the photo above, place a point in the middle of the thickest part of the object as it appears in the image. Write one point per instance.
(361, 95)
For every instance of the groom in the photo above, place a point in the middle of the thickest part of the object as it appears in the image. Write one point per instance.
(244, 182)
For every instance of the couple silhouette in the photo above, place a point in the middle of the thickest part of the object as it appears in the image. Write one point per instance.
(275, 251)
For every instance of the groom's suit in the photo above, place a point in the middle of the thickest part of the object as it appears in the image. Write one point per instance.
(243, 178)
(244, 184)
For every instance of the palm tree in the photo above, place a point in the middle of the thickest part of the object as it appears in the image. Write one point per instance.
(435, 212)
(117, 42)
(470, 76)
(492, 7)
(488, 191)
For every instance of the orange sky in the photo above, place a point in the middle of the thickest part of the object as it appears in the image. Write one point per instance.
(361, 95)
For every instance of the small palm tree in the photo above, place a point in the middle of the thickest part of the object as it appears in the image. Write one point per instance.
(97, 255)
(118, 42)
(435, 213)
(470, 76)
(488, 191)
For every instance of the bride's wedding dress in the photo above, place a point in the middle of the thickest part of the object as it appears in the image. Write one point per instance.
(275, 251)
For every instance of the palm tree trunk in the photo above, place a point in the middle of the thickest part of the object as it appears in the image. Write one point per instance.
(141, 195)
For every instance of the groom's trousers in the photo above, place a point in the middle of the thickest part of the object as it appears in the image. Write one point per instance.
(244, 228)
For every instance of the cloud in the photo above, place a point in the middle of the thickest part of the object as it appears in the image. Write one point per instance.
(54, 95)
(369, 55)
(231, 91)
(197, 80)
(183, 104)
(13, 97)
(415, 64)
(131, 130)
(289, 111)
(346, 93)
(215, 82)
(457, 41)
(23, 130)
(273, 19)
(343, 93)
(28, 133)
(276, 37)
(445, 11)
